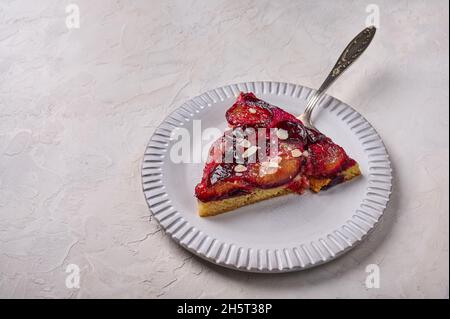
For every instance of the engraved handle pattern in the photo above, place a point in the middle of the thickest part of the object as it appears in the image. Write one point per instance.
(352, 52)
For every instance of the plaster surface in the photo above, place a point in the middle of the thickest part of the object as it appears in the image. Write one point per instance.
(77, 107)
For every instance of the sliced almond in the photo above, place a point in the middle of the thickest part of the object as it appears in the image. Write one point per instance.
(276, 159)
(282, 134)
(305, 153)
(245, 143)
(296, 152)
(267, 169)
(252, 110)
(250, 151)
(273, 164)
(240, 168)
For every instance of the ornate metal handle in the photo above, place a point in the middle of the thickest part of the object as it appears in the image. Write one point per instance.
(350, 54)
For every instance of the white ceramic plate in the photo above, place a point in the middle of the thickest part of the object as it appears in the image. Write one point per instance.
(287, 233)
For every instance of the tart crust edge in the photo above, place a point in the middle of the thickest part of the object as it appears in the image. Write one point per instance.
(216, 207)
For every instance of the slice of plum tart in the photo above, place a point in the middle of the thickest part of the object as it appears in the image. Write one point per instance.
(267, 152)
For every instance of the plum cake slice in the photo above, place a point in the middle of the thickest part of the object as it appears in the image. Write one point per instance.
(268, 152)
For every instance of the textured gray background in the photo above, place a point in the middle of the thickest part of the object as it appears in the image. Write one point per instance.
(78, 106)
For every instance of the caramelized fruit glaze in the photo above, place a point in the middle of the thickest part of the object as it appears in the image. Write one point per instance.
(301, 154)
